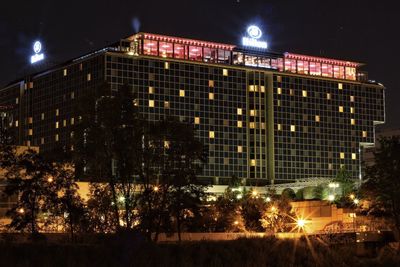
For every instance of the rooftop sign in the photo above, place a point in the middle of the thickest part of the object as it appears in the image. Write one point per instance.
(252, 40)
(37, 48)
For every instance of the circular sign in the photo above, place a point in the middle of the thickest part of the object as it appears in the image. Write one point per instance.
(254, 32)
(37, 47)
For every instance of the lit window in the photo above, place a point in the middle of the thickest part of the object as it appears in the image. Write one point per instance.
(279, 103)
(328, 96)
(279, 79)
(340, 108)
(197, 120)
(16, 123)
(342, 155)
(30, 120)
(263, 125)
(252, 125)
(226, 161)
(89, 77)
(182, 93)
(166, 104)
(239, 149)
(72, 121)
(56, 124)
(30, 132)
(42, 116)
(151, 103)
(352, 121)
(351, 109)
(151, 90)
(166, 65)
(16, 100)
(252, 88)
(352, 98)
(279, 90)
(64, 123)
(304, 93)
(57, 112)
(210, 83)
(65, 72)
(262, 89)
(353, 156)
(330, 166)
(340, 86)
(239, 124)
(80, 66)
(225, 72)
(292, 128)
(239, 111)
(211, 134)
(72, 148)
(291, 92)
(279, 127)
(56, 137)
(364, 134)
(211, 96)
(166, 144)
(253, 162)
(317, 118)
(42, 140)
(28, 143)
(253, 112)
(72, 95)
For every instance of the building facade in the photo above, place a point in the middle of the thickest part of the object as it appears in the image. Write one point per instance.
(264, 117)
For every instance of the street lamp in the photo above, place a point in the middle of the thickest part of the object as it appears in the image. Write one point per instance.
(331, 197)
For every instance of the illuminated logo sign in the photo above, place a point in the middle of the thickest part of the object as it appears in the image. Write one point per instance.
(37, 48)
(254, 33)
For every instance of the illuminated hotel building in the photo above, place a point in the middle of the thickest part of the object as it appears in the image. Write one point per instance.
(266, 117)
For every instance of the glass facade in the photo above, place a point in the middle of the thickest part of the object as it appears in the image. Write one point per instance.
(263, 117)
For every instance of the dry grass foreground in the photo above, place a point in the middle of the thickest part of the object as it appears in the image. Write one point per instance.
(134, 251)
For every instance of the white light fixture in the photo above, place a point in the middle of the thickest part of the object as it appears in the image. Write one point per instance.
(37, 48)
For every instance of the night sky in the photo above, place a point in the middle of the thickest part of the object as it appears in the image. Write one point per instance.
(361, 31)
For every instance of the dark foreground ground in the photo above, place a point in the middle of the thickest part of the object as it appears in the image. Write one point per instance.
(130, 251)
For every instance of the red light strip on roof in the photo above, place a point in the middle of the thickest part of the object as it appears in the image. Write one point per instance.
(322, 60)
(177, 40)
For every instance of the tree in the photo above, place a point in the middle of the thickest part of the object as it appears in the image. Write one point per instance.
(108, 148)
(30, 178)
(382, 180)
(252, 207)
(70, 206)
(100, 209)
(343, 177)
(277, 216)
(183, 160)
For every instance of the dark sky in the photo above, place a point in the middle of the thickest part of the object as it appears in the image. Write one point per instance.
(362, 31)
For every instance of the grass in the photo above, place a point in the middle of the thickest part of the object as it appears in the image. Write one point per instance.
(131, 251)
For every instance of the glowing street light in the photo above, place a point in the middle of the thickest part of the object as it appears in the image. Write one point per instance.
(356, 201)
(50, 179)
(301, 223)
(236, 222)
(331, 197)
(352, 196)
(254, 193)
(239, 196)
(268, 199)
(21, 210)
(155, 188)
(121, 199)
